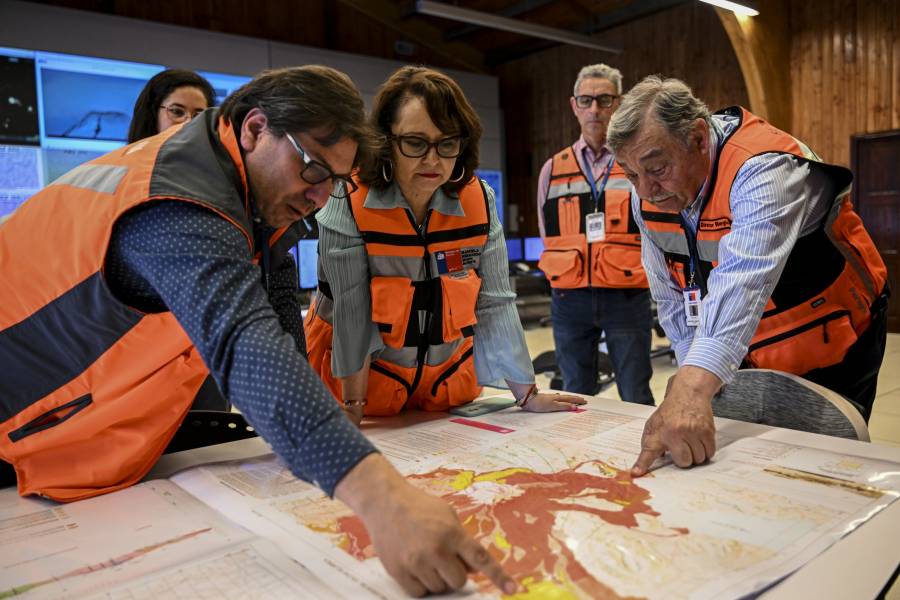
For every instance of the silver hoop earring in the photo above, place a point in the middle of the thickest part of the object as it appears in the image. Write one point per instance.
(384, 171)
(463, 172)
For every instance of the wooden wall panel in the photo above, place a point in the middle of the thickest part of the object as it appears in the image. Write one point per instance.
(687, 42)
(845, 72)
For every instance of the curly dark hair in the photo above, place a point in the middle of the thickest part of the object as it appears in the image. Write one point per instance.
(300, 99)
(144, 121)
(447, 106)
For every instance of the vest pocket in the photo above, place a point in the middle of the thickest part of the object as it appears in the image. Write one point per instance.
(391, 303)
(617, 204)
(618, 265)
(563, 261)
(456, 384)
(459, 296)
(819, 343)
(387, 390)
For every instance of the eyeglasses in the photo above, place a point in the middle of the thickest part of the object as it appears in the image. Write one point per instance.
(180, 114)
(603, 100)
(314, 172)
(413, 146)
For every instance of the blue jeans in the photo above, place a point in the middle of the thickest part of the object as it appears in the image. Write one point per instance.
(581, 316)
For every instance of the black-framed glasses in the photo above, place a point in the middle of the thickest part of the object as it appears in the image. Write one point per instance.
(603, 100)
(414, 146)
(314, 172)
(179, 114)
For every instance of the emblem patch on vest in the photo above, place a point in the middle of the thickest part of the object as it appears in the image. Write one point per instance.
(458, 261)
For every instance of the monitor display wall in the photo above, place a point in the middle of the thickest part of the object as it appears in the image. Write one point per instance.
(61, 110)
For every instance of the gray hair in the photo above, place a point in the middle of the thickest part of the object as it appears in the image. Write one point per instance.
(669, 101)
(599, 70)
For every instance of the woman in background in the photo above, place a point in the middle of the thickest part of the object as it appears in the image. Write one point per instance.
(414, 308)
(170, 97)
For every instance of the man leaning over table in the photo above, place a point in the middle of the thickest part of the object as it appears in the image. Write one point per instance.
(131, 278)
(754, 255)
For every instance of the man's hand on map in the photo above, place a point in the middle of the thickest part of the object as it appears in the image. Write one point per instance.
(550, 402)
(417, 537)
(683, 424)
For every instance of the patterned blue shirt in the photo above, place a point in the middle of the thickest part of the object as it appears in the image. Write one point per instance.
(775, 199)
(182, 257)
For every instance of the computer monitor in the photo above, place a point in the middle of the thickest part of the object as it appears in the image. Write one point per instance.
(495, 180)
(307, 262)
(86, 103)
(514, 249)
(534, 246)
(18, 98)
(223, 84)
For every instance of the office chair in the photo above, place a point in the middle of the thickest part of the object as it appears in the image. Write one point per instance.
(784, 400)
(545, 362)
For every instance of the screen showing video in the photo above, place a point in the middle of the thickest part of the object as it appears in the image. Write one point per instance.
(495, 180)
(87, 98)
(18, 98)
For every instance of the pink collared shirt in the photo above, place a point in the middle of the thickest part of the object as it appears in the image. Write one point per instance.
(585, 156)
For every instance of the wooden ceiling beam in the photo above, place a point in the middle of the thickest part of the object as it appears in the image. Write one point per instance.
(393, 16)
(515, 10)
(762, 47)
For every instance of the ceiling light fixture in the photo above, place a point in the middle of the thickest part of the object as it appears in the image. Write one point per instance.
(474, 17)
(738, 9)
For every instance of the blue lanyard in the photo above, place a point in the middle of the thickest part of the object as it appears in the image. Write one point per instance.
(595, 193)
(692, 247)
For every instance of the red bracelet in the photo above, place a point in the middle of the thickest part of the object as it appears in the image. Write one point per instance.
(531, 393)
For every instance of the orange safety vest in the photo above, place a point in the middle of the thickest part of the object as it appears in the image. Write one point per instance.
(92, 390)
(429, 278)
(568, 261)
(823, 300)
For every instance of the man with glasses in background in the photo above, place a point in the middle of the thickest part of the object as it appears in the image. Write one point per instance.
(131, 278)
(592, 251)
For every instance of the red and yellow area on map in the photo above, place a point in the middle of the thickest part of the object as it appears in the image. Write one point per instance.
(513, 513)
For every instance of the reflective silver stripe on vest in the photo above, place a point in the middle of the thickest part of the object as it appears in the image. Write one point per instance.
(572, 188)
(673, 243)
(617, 183)
(412, 267)
(406, 357)
(707, 249)
(96, 178)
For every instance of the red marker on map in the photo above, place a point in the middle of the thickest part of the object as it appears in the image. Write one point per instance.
(480, 425)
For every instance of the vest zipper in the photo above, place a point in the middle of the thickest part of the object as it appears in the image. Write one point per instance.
(823, 321)
(51, 418)
(424, 335)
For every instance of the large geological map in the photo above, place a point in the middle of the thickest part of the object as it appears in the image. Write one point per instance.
(566, 520)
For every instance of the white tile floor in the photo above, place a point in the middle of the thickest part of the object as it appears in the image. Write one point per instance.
(884, 426)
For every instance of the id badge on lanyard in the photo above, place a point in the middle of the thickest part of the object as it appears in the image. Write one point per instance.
(595, 222)
(692, 298)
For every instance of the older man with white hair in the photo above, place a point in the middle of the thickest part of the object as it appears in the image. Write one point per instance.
(592, 256)
(754, 255)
